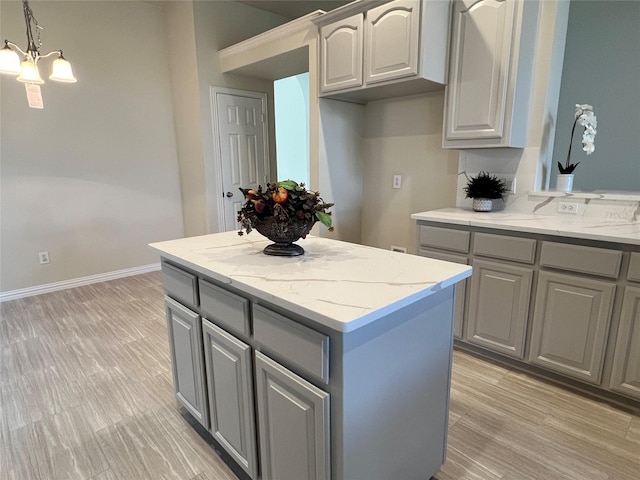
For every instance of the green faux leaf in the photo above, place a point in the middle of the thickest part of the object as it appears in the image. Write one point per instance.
(289, 185)
(324, 218)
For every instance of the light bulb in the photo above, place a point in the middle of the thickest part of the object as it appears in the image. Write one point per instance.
(9, 61)
(62, 71)
(29, 72)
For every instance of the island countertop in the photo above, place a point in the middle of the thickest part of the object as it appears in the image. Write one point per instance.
(616, 230)
(341, 285)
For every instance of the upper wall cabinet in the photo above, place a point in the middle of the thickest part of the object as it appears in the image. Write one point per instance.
(397, 48)
(341, 47)
(493, 45)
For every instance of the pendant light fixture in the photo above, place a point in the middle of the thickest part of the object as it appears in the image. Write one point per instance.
(27, 70)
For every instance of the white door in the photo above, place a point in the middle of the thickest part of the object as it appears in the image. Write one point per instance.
(240, 122)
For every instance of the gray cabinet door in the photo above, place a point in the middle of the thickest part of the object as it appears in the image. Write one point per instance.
(460, 289)
(625, 376)
(293, 421)
(391, 42)
(570, 325)
(341, 46)
(185, 343)
(499, 306)
(230, 387)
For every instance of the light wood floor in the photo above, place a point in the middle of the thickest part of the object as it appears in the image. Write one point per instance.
(85, 393)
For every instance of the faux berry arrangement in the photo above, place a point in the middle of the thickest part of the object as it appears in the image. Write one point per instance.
(287, 202)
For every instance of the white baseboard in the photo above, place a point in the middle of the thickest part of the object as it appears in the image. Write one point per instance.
(76, 282)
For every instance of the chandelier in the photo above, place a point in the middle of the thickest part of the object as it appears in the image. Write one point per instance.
(27, 70)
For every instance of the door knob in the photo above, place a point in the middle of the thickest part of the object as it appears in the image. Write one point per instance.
(229, 194)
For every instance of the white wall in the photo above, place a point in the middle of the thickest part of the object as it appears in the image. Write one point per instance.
(93, 177)
(404, 137)
(219, 24)
(340, 166)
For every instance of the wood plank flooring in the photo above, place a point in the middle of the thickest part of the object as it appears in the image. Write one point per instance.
(85, 393)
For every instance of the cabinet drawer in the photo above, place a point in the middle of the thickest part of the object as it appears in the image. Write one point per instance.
(445, 238)
(576, 258)
(225, 308)
(634, 267)
(447, 257)
(287, 340)
(509, 248)
(180, 285)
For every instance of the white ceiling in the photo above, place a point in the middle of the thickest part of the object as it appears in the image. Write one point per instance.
(294, 8)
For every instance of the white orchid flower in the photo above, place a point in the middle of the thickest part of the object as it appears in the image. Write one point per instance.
(585, 117)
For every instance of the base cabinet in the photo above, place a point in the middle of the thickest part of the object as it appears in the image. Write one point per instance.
(625, 376)
(460, 290)
(293, 420)
(230, 388)
(571, 324)
(564, 306)
(499, 306)
(185, 343)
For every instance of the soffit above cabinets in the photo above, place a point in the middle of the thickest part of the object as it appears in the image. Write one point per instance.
(292, 8)
(277, 53)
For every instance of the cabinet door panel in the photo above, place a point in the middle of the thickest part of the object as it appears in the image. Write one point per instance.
(478, 81)
(460, 290)
(392, 32)
(499, 306)
(625, 376)
(293, 420)
(570, 325)
(185, 343)
(341, 54)
(231, 409)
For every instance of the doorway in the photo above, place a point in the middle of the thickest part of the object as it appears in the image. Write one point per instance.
(292, 127)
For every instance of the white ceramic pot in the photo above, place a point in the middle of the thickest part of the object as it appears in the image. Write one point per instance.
(564, 182)
(482, 204)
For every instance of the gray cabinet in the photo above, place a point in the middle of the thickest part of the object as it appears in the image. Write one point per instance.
(490, 73)
(341, 54)
(499, 306)
(293, 418)
(571, 324)
(185, 343)
(460, 289)
(392, 32)
(230, 390)
(366, 45)
(625, 376)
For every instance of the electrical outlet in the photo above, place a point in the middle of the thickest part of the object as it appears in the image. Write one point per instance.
(395, 248)
(510, 182)
(397, 181)
(568, 207)
(43, 257)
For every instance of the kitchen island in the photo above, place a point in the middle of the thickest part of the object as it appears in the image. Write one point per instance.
(332, 365)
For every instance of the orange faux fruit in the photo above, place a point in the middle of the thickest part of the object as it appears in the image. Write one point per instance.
(280, 195)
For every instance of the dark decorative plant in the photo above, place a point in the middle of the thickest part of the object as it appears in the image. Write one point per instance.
(485, 186)
(288, 201)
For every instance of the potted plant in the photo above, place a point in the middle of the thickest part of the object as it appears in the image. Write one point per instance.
(483, 189)
(283, 212)
(584, 116)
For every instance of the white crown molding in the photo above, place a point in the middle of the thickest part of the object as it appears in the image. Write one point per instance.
(77, 282)
(274, 34)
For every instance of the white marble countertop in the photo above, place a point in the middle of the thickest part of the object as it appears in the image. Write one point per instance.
(618, 230)
(341, 285)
